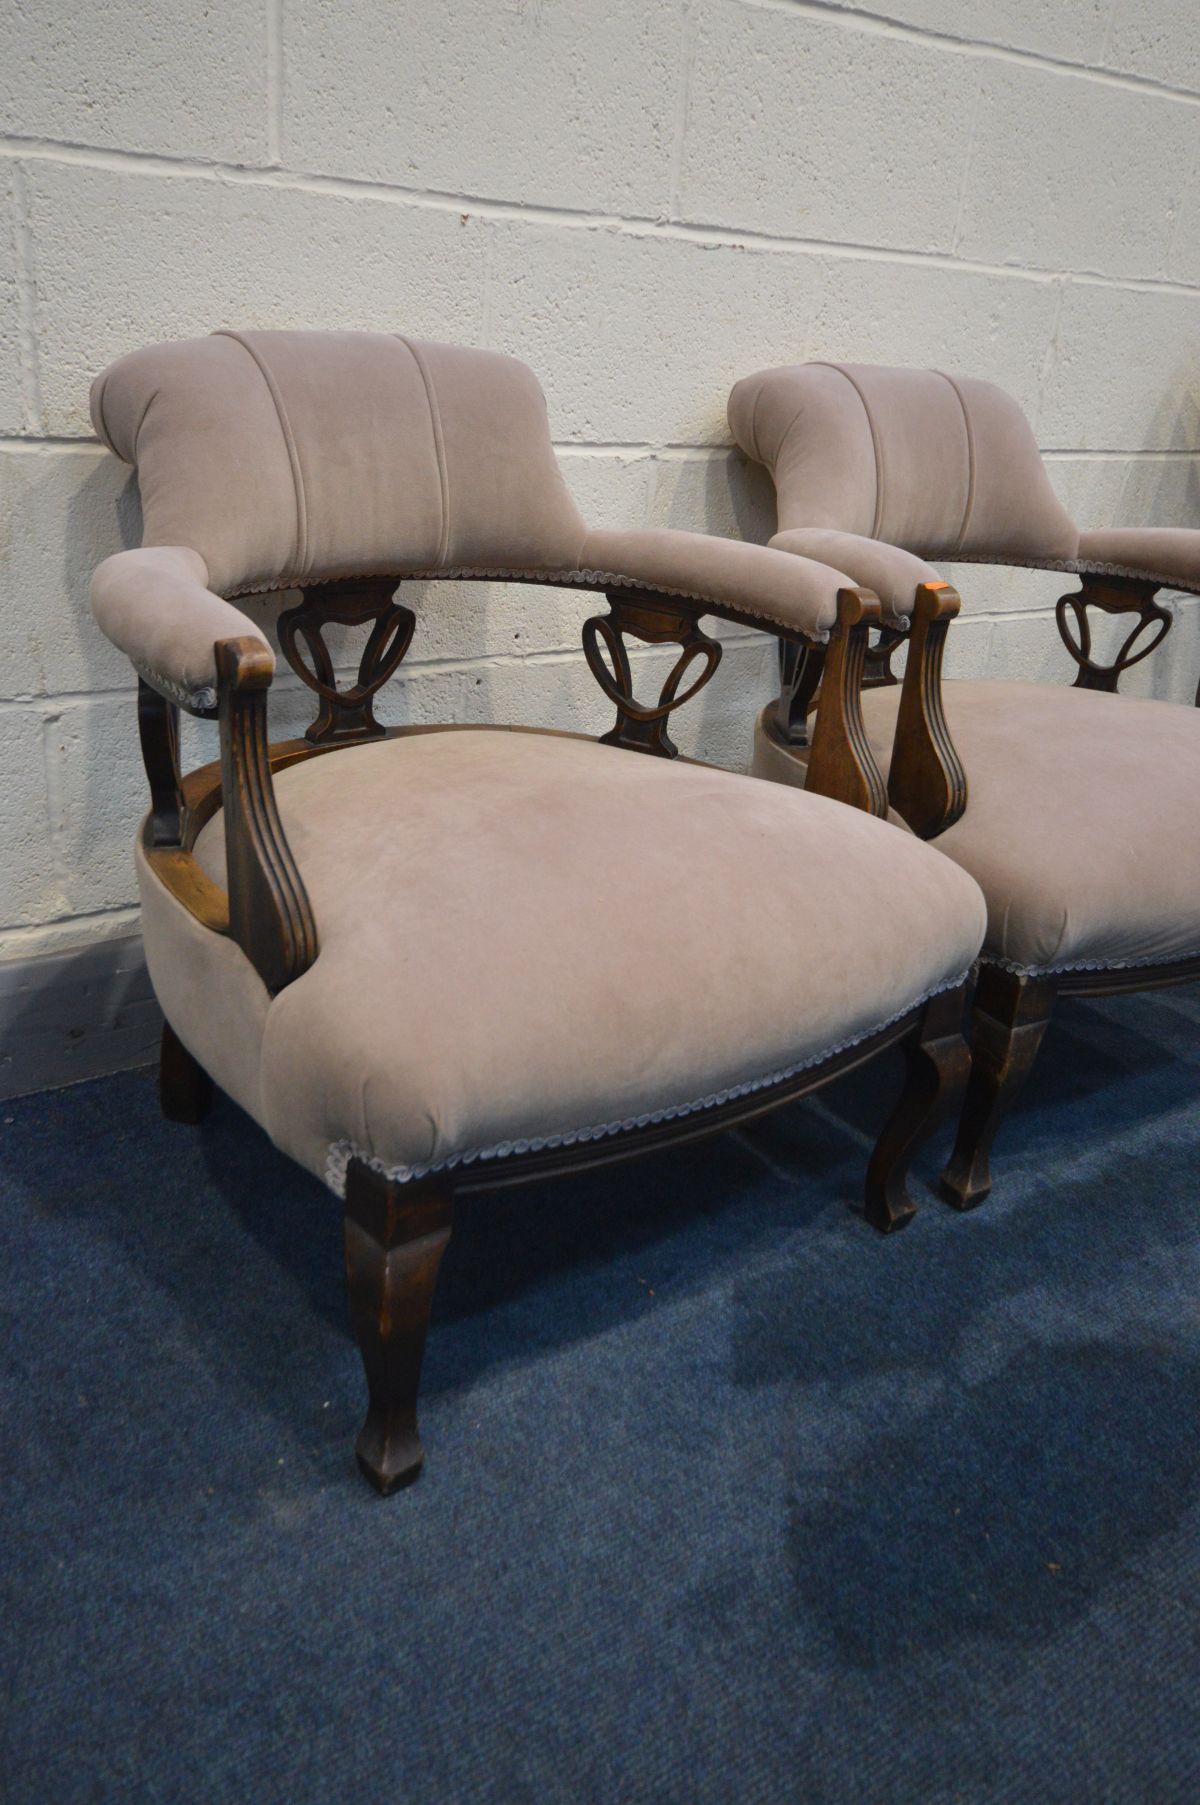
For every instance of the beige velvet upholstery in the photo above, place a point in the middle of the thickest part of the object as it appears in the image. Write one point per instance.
(747, 579)
(292, 457)
(1167, 555)
(894, 575)
(943, 466)
(1082, 829)
(155, 604)
(268, 460)
(518, 939)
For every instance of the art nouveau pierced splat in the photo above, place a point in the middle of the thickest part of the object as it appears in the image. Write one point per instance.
(1111, 596)
(656, 620)
(347, 714)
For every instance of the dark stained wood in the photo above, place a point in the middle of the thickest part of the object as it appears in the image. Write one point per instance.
(927, 785)
(655, 620)
(800, 667)
(1121, 980)
(937, 1067)
(877, 666)
(841, 763)
(158, 730)
(1009, 1020)
(395, 1237)
(1111, 595)
(347, 715)
(185, 1090)
(270, 915)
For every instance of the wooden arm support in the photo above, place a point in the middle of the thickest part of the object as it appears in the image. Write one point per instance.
(927, 785)
(270, 915)
(841, 763)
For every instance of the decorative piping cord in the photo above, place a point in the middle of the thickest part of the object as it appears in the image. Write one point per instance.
(1054, 971)
(201, 700)
(595, 579)
(342, 1152)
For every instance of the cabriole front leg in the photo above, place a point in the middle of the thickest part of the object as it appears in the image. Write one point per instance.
(937, 1066)
(395, 1238)
(1010, 1018)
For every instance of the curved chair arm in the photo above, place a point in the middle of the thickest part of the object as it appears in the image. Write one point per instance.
(156, 606)
(1168, 557)
(750, 584)
(894, 575)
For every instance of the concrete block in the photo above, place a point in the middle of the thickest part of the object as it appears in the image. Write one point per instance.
(11, 409)
(800, 127)
(639, 337)
(61, 512)
(564, 105)
(95, 777)
(1070, 29)
(1125, 372)
(872, 311)
(1070, 173)
(30, 886)
(127, 259)
(183, 81)
(1157, 39)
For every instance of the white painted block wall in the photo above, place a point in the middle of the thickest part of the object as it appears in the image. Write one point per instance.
(643, 198)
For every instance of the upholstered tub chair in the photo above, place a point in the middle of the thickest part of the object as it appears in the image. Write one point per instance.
(436, 961)
(1075, 809)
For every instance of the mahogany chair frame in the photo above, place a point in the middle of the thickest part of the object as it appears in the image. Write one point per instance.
(396, 1234)
(1010, 1012)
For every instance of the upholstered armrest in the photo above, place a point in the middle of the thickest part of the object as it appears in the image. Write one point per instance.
(893, 574)
(1169, 556)
(744, 582)
(156, 606)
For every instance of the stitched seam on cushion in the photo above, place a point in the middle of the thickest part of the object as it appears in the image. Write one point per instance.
(875, 441)
(970, 502)
(439, 443)
(342, 1152)
(293, 452)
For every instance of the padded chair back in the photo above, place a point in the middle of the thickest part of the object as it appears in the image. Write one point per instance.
(287, 458)
(943, 466)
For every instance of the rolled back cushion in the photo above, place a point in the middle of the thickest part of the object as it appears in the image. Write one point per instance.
(944, 466)
(286, 458)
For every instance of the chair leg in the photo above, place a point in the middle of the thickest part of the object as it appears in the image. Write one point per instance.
(1010, 1018)
(938, 1063)
(185, 1090)
(395, 1238)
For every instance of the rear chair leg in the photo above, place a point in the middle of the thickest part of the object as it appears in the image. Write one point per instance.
(185, 1090)
(395, 1238)
(1010, 1019)
(938, 1064)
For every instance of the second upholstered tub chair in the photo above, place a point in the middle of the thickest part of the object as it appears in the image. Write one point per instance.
(437, 961)
(1075, 809)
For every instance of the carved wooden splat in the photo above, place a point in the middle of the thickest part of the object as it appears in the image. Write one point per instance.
(346, 714)
(1112, 595)
(656, 620)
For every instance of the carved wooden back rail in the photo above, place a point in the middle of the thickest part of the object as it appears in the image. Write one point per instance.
(265, 908)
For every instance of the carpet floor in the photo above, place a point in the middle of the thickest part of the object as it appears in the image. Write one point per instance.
(727, 1498)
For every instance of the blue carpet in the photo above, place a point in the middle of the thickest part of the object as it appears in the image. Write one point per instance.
(728, 1499)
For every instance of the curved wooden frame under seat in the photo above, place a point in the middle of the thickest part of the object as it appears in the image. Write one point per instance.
(396, 1234)
(1010, 1015)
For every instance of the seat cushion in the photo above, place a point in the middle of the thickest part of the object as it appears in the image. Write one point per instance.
(1082, 825)
(532, 938)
